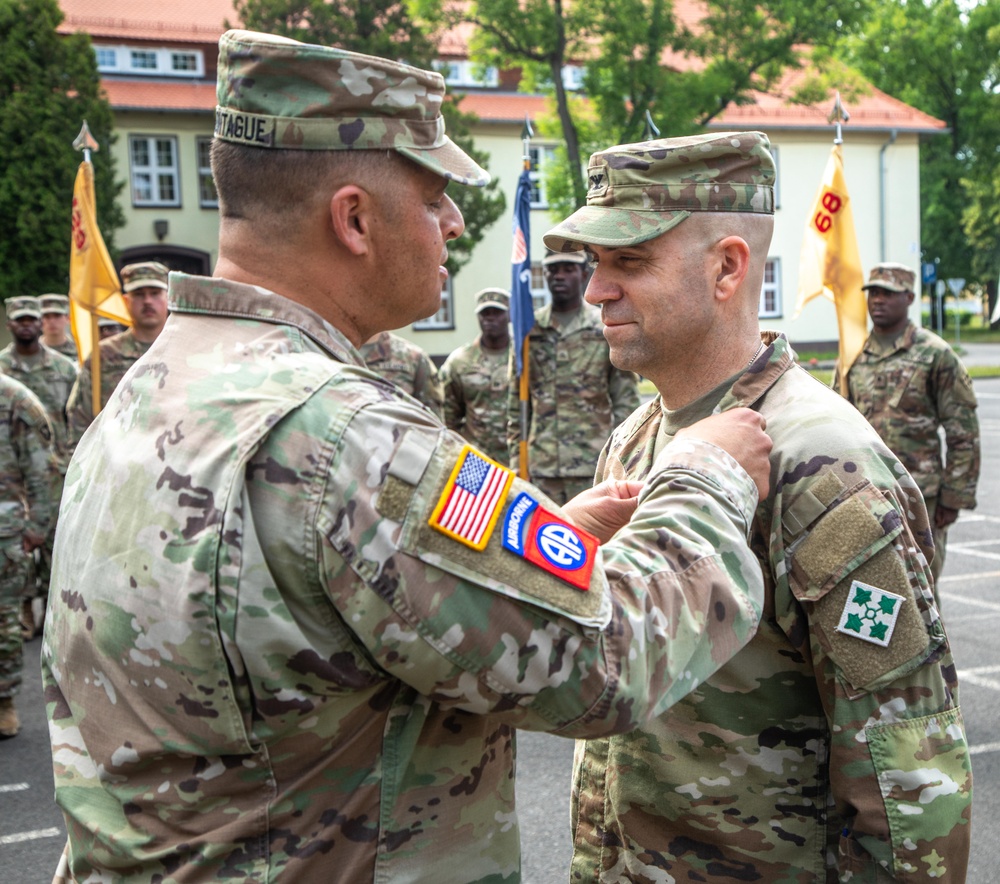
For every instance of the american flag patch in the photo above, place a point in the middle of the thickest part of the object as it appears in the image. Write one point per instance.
(472, 500)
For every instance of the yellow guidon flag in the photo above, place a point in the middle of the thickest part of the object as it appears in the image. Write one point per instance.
(94, 288)
(831, 266)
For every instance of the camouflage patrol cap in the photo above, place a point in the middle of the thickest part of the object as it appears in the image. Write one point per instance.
(23, 306)
(639, 191)
(564, 258)
(892, 277)
(498, 298)
(277, 93)
(54, 304)
(151, 274)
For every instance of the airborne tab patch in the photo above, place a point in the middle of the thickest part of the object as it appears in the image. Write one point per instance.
(553, 544)
(472, 499)
(870, 613)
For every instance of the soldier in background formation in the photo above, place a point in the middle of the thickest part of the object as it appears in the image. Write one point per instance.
(25, 510)
(299, 619)
(407, 366)
(144, 287)
(108, 328)
(55, 326)
(909, 384)
(474, 378)
(576, 395)
(50, 376)
(831, 747)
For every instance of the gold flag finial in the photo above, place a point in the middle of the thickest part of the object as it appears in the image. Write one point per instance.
(85, 141)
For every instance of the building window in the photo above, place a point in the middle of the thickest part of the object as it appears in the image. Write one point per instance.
(539, 291)
(107, 58)
(572, 77)
(150, 62)
(445, 317)
(154, 171)
(183, 61)
(539, 157)
(207, 197)
(770, 291)
(467, 73)
(143, 60)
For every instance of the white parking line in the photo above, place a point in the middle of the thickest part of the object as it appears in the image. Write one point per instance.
(33, 835)
(14, 787)
(951, 598)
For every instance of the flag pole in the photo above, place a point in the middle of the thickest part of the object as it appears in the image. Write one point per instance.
(524, 390)
(86, 142)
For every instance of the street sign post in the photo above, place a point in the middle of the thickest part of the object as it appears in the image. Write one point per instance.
(956, 286)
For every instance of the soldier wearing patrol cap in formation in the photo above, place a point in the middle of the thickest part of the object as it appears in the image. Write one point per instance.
(577, 396)
(144, 287)
(50, 376)
(909, 384)
(474, 378)
(831, 747)
(298, 619)
(55, 325)
(407, 366)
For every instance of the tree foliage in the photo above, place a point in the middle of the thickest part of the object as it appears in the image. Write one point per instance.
(387, 28)
(48, 86)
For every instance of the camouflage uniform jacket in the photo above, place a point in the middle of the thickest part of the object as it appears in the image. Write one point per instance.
(407, 366)
(475, 397)
(909, 388)
(118, 354)
(50, 376)
(576, 396)
(25, 461)
(68, 349)
(261, 661)
(813, 755)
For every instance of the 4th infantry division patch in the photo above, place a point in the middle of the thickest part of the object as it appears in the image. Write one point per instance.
(870, 613)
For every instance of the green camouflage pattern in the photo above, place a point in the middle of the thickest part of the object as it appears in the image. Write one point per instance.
(404, 364)
(144, 274)
(907, 388)
(118, 355)
(23, 305)
(475, 382)
(813, 755)
(892, 277)
(576, 396)
(68, 349)
(261, 664)
(639, 191)
(278, 93)
(25, 504)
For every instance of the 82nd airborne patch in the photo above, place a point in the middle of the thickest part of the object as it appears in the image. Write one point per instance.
(870, 613)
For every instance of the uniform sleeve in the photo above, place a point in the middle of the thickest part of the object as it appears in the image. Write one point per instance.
(32, 437)
(623, 389)
(427, 386)
(453, 406)
(79, 407)
(671, 598)
(899, 765)
(956, 410)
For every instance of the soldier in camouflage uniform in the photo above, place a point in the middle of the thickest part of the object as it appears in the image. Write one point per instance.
(295, 619)
(144, 286)
(407, 366)
(832, 746)
(25, 508)
(55, 326)
(576, 396)
(50, 376)
(909, 383)
(474, 378)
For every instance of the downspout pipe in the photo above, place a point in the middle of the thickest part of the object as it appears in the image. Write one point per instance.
(883, 175)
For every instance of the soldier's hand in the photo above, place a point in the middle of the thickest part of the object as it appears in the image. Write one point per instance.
(605, 508)
(944, 516)
(740, 432)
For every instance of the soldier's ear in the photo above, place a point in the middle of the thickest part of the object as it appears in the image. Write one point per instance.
(351, 209)
(734, 263)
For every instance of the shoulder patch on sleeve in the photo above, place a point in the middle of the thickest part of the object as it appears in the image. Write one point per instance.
(473, 497)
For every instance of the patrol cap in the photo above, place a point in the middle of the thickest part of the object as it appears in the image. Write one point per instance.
(23, 306)
(104, 322)
(498, 298)
(273, 92)
(147, 273)
(54, 304)
(640, 191)
(564, 258)
(893, 277)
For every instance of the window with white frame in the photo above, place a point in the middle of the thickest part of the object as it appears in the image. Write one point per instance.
(154, 170)
(770, 291)
(539, 291)
(445, 317)
(467, 73)
(539, 156)
(150, 61)
(572, 77)
(207, 197)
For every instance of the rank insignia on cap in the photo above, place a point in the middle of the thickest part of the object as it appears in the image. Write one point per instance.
(472, 499)
(870, 613)
(550, 542)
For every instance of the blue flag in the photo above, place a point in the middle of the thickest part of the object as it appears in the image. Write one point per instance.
(522, 312)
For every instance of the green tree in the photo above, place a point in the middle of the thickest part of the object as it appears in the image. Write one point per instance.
(387, 28)
(48, 86)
